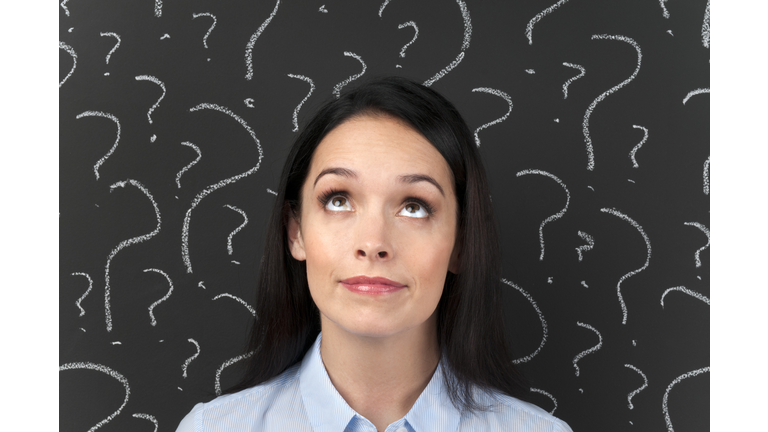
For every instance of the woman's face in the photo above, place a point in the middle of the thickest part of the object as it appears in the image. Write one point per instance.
(378, 202)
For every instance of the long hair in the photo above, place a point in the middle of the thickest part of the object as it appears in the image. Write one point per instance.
(470, 327)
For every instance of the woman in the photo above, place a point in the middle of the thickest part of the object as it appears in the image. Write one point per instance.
(379, 303)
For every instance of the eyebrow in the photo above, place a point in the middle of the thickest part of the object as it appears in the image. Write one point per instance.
(407, 178)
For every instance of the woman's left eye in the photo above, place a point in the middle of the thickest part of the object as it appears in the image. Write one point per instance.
(415, 210)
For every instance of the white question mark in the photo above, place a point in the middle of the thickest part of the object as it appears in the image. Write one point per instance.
(581, 355)
(191, 164)
(415, 35)
(237, 230)
(162, 86)
(114, 48)
(117, 140)
(110, 372)
(189, 360)
(638, 390)
(205, 38)
(170, 290)
(298, 107)
(500, 94)
(555, 216)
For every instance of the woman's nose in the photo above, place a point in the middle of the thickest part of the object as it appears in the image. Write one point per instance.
(373, 239)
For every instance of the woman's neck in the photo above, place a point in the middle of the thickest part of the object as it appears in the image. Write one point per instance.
(380, 377)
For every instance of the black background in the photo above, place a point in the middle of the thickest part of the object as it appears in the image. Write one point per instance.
(663, 193)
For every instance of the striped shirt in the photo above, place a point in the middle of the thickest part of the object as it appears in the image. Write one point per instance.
(303, 399)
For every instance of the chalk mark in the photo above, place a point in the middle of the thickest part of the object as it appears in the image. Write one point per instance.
(665, 12)
(639, 389)
(147, 417)
(117, 140)
(694, 93)
(500, 94)
(162, 86)
(706, 232)
(383, 5)
(239, 300)
(189, 360)
(170, 290)
(90, 285)
(555, 216)
(541, 318)
(664, 406)
(191, 164)
(227, 363)
(416, 35)
(72, 53)
(464, 45)
(538, 17)
(587, 247)
(581, 355)
(337, 87)
(237, 230)
(158, 8)
(705, 28)
(637, 147)
(686, 291)
(298, 107)
(117, 45)
(706, 176)
(208, 33)
(570, 80)
(252, 43)
(540, 391)
(108, 371)
(63, 2)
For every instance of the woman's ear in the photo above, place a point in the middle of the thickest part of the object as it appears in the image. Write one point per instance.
(295, 241)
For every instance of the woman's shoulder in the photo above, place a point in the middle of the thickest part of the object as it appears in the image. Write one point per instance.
(507, 410)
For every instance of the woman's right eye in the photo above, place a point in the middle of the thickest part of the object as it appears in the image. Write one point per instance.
(338, 203)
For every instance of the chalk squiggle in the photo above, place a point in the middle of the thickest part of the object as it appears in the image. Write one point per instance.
(637, 147)
(541, 318)
(252, 43)
(383, 5)
(208, 33)
(694, 93)
(464, 45)
(191, 164)
(555, 216)
(117, 45)
(90, 285)
(189, 360)
(416, 35)
(125, 243)
(705, 28)
(117, 140)
(63, 2)
(641, 388)
(664, 8)
(706, 176)
(535, 390)
(170, 290)
(72, 53)
(706, 232)
(588, 113)
(337, 87)
(538, 17)
(298, 107)
(633, 272)
(500, 94)
(570, 80)
(239, 300)
(227, 363)
(147, 417)
(108, 371)
(237, 230)
(581, 355)
(211, 188)
(587, 247)
(664, 406)
(162, 86)
(684, 290)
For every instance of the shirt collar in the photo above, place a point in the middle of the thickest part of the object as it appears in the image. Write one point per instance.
(329, 412)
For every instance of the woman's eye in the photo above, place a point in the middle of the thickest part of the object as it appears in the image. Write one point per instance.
(338, 203)
(414, 210)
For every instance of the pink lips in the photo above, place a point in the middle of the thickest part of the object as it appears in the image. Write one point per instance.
(371, 285)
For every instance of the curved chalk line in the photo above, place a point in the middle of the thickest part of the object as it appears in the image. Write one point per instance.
(587, 247)
(191, 164)
(634, 272)
(555, 216)
(588, 113)
(500, 94)
(581, 355)
(298, 107)
(72, 53)
(108, 371)
(63, 2)
(237, 230)
(664, 406)
(383, 5)
(464, 45)
(337, 87)
(90, 285)
(117, 45)
(239, 300)
(211, 188)
(637, 147)
(570, 80)
(705, 28)
(684, 290)
(252, 42)
(694, 93)
(416, 35)
(538, 17)
(706, 176)
(227, 363)
(147, 417)
(535, 390)
(706, 232)
(162, 86)
(117, 140)
(208, 33)
(158, 8)
(170, 290)
(126, 243)
(541, 318)
(641, 388)
(189, 360)
(664, 8)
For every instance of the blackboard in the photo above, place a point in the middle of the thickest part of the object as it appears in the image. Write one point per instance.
(592, 118)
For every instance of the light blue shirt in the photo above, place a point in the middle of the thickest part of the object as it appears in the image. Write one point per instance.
(303, 399)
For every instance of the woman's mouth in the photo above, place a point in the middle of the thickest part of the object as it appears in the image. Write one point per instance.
(371, 285)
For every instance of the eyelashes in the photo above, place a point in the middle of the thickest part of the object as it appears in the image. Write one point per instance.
(326, 197)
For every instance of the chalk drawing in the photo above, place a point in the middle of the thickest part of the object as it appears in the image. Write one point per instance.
(227, 363)
(72, 53)
(581, 355)
(82, 329)
(189, 360)
(694, 93)
(593, 189)
(670, 32)
(383, 5)
(272, 192)
(158, 8)
(162, 86)
(117, 45)
(500, 94)
(633, 272)
(337, 87)
(706, 176)
(639, 389)
(570, 80)
(222, 183)
(664, 8)
(630, 180)
(252, 42)
(63, 2)
(70, 29)
(530, 71)
(249, 102)
(237, 230)
(165, 36)
(117, 140)
(538, 17)
(587, 247)
(108, 371)
(298, 107)
(239, 300)
(664, 406)
(117, 343)
(705, 28)
(147, 417)
(90, 285)
(170, 290)
(208, 33)
(235, 262)
(125, 243)
(464, 45)
(541, 318)
(416, 35)
(584, 284)
(588, 113)
(684, 290)
(200, 284)
(555, 216)
(637, 147)
(706, 232)
(191, 164)
(323, 9)
(540, 391)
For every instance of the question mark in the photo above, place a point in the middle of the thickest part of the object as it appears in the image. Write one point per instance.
(151, 308)
(90, 285)
(237, 230)
(638, 390)
(500, 94)
(227, 363)
(72, 53)
(415, 35)
(162, 86)
(298, 107)
(191, 164)
(555, 216)
(110, 372)
(570, 80)
(117, 140)
(189, 360)
(205, 38)
(114, 48)
(581, 355)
